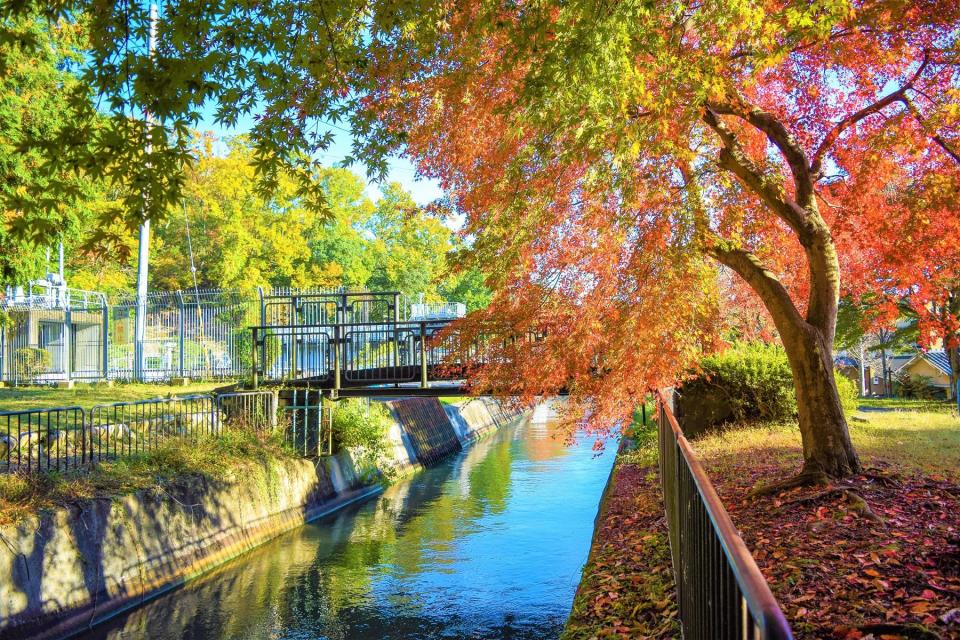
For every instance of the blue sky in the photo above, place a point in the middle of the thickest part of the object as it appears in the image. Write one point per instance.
(423, 190)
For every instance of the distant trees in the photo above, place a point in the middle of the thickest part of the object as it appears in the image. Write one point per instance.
(74, 166)
(41, 200)
(242, 237)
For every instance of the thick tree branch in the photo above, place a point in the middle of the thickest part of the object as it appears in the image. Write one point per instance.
(806, 222)
(781, 137)
(774, 295)
(899, 95)
(734, 159)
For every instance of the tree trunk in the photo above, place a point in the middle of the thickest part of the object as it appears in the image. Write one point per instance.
(887, 392)
(823, 427)
(808, 340)
(953, 357)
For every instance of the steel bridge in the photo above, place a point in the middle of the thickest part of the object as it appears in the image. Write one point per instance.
(355, 344)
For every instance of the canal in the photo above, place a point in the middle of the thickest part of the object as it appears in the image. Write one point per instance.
(489, 544)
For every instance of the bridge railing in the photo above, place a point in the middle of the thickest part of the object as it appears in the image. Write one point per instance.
(356, 354)
(720, 589)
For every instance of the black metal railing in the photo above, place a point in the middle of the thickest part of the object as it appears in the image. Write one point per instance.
(128, 428)
(720, 590)
(253, 410)
(41, 440)
(356, 354)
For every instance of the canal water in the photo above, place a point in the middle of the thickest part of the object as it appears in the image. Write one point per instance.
(489, 544)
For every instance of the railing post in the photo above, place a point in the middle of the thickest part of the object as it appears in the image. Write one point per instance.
(337, 342)
(274, 409)
(424, 382)
(181, 330)
(396, 336)
(263, 307)
(253, 359)
(106, 340)
(67, 334)
(294, 353)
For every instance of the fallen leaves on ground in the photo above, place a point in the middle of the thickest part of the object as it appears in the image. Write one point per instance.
(627, 590)
(887, 569)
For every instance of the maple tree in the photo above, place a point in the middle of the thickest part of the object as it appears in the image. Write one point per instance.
(42, 202)
(608, 159)
(603, 153)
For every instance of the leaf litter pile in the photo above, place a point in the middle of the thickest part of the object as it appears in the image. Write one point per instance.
(873, 557)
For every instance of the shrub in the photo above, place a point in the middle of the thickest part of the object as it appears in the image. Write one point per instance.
(918, 387)
(849, 393)
(31, 362)
(362, 427)
(754, 379)
(750, 381)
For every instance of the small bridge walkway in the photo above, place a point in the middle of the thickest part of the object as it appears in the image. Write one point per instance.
(357, 344)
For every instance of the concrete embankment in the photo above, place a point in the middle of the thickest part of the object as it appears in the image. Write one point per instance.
(65, 570)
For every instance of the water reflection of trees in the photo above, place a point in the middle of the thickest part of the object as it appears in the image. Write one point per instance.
(322, 581)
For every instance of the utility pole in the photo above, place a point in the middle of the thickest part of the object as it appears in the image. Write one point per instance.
(863, 368)
(143, 255)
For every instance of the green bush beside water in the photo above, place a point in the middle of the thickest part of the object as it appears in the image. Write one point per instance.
(361, 426)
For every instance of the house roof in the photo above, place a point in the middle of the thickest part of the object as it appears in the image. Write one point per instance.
(896, 362)
(845, 361)
(938, 359)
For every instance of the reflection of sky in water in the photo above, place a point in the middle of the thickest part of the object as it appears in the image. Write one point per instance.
(487, 545)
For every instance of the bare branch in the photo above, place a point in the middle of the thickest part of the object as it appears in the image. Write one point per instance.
(816, 164)
(936, 137)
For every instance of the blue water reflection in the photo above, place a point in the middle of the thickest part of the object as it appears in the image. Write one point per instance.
(487, 545)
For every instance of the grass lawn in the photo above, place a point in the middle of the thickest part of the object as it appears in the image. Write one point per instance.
(86, 396)
(908, 404)
(921, 441)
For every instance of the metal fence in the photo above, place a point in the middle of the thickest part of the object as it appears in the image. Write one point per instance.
(720, 589)
(67, 438)
(356, 354)
(253, 410)
(308, 422)
(128, 428)
(43, 440)
(52, 333)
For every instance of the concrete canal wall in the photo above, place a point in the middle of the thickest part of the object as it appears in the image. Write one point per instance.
(62, 571)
